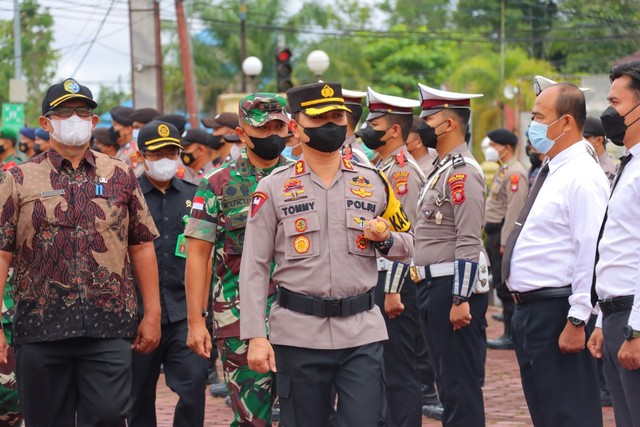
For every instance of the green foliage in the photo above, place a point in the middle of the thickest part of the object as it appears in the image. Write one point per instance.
(110, 97)
(38, 59)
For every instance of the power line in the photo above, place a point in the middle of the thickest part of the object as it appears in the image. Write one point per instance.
(94, 38)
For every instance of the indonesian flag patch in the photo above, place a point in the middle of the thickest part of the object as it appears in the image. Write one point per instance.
(198, 203)
(257, 200)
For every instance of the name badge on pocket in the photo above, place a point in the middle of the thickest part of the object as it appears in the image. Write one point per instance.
(181, 246)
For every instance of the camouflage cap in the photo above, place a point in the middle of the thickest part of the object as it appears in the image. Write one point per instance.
(260, 108)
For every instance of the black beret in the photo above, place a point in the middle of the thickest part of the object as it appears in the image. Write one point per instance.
(593, 127)
(145, 115)
(103, 136)
(122, 115)
(65, 91)
(503, 137)
(178, 120)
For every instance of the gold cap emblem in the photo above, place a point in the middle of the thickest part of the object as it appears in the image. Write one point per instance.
(163, 130)
(327, 91)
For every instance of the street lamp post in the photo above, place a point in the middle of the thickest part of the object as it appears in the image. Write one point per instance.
(251, 67)
(318, 62)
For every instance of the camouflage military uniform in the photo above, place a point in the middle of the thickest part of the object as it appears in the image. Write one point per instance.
(9, 400)
(219, 215)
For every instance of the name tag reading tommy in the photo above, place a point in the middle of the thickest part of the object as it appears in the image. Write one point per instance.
(52, 193)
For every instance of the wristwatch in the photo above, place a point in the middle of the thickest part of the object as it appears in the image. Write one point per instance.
(575, 321)
(457, 300)
(630, 333)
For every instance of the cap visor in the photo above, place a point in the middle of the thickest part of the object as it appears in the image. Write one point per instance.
(429, 112)
(90, 102)
(155, 147)
(375, 115)
(210, 123)
(271, 117)
(319, 111)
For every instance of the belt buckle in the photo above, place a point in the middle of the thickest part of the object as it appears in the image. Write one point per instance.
(413, 273)
(516, 297)
(332, 307)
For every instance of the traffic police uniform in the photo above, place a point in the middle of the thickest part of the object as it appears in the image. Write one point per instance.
(450, 263)
(507, 195)
(401, 374)
(325, 327)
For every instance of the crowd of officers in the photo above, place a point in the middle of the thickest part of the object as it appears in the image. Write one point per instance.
(363, 257)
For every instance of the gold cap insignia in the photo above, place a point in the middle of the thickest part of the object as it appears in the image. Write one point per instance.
(71, 86)
(163, 130)
(327, 91)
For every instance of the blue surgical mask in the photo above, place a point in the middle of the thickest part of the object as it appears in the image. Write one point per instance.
(538, 136)
(288, 152)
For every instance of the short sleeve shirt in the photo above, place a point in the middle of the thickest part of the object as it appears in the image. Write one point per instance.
(69, 231)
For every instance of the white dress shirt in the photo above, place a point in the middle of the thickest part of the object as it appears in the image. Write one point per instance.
(557, 245)
(618, 268)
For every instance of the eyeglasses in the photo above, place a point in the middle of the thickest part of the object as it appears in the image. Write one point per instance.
(171, 155)
(66, 112)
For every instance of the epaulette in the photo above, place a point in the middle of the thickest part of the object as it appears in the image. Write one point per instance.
(400, 158)
(458, 160)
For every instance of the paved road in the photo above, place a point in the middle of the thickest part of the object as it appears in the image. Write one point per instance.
(504, 400)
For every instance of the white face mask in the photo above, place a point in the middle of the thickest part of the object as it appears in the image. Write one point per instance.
(491, 154)
(73, 131)
(162, 170)
(235, 151)
(135, 134)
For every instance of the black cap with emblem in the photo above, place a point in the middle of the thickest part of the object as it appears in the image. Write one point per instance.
(65, 91)
(316, 98)
(156, 134)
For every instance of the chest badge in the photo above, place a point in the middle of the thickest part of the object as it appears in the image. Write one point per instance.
(361, 192)
(301, 225)
(301, 244)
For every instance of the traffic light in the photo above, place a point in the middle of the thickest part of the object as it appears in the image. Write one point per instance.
(283, 69)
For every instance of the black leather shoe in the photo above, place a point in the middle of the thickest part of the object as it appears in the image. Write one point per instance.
(433, 411)
(213, 377)
(502, 343)
(498, 316)
(219, 390)
(227, 401)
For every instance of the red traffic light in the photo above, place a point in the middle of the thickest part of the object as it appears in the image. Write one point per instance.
(283, 55)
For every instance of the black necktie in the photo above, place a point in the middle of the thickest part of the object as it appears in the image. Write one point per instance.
(517, 228)
(623, 162)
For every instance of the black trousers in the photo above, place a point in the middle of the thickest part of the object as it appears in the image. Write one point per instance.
(493, 251)
(305, 377)
(402, 380)
(185, 373)
(561, 389)
(623, 384)
(458, 356)
(87, 378)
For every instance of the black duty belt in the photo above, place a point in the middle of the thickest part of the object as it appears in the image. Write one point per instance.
(540, 294)
(608, 306)
(325, 307)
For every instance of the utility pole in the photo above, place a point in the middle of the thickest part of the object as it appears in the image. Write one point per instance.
(17, 45)
(243, 41)
(187, 65)
(146, 54)
(502, 56)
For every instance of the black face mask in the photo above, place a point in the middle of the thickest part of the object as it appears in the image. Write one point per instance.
(23, 147)
(535, 160)
(373, 138)
(114, 134)
(37, 149)
(268, 148)
(327, 138)
(428, 135)
(2, 149)
(614, 126)
(188, 158)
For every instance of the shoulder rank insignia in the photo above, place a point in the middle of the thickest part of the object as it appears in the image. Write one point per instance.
(458, 161)
(347, 163)
(400, 158)
(300, 167)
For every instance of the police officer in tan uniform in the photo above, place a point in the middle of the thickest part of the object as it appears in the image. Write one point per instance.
(388, 126)
(322, 219)
(449, 258)
(121, 131)
(507, 195)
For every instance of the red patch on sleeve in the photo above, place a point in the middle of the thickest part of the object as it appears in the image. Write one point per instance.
(257, 200)
(456, 184)
(515, 181)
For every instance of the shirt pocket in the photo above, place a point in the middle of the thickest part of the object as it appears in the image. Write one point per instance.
(235, 225)
(302, 236)
(358, 244)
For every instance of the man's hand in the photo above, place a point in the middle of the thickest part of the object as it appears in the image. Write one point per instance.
(4, 348)
(260, 356)
(393, 305)
(572, 339)
(377, 229)
(596, 343)
(148, 336)
(199, 339)
(629, 354)
(460, 315)
(501, 250)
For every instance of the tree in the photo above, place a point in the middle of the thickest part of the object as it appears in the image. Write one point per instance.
(38, 59)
